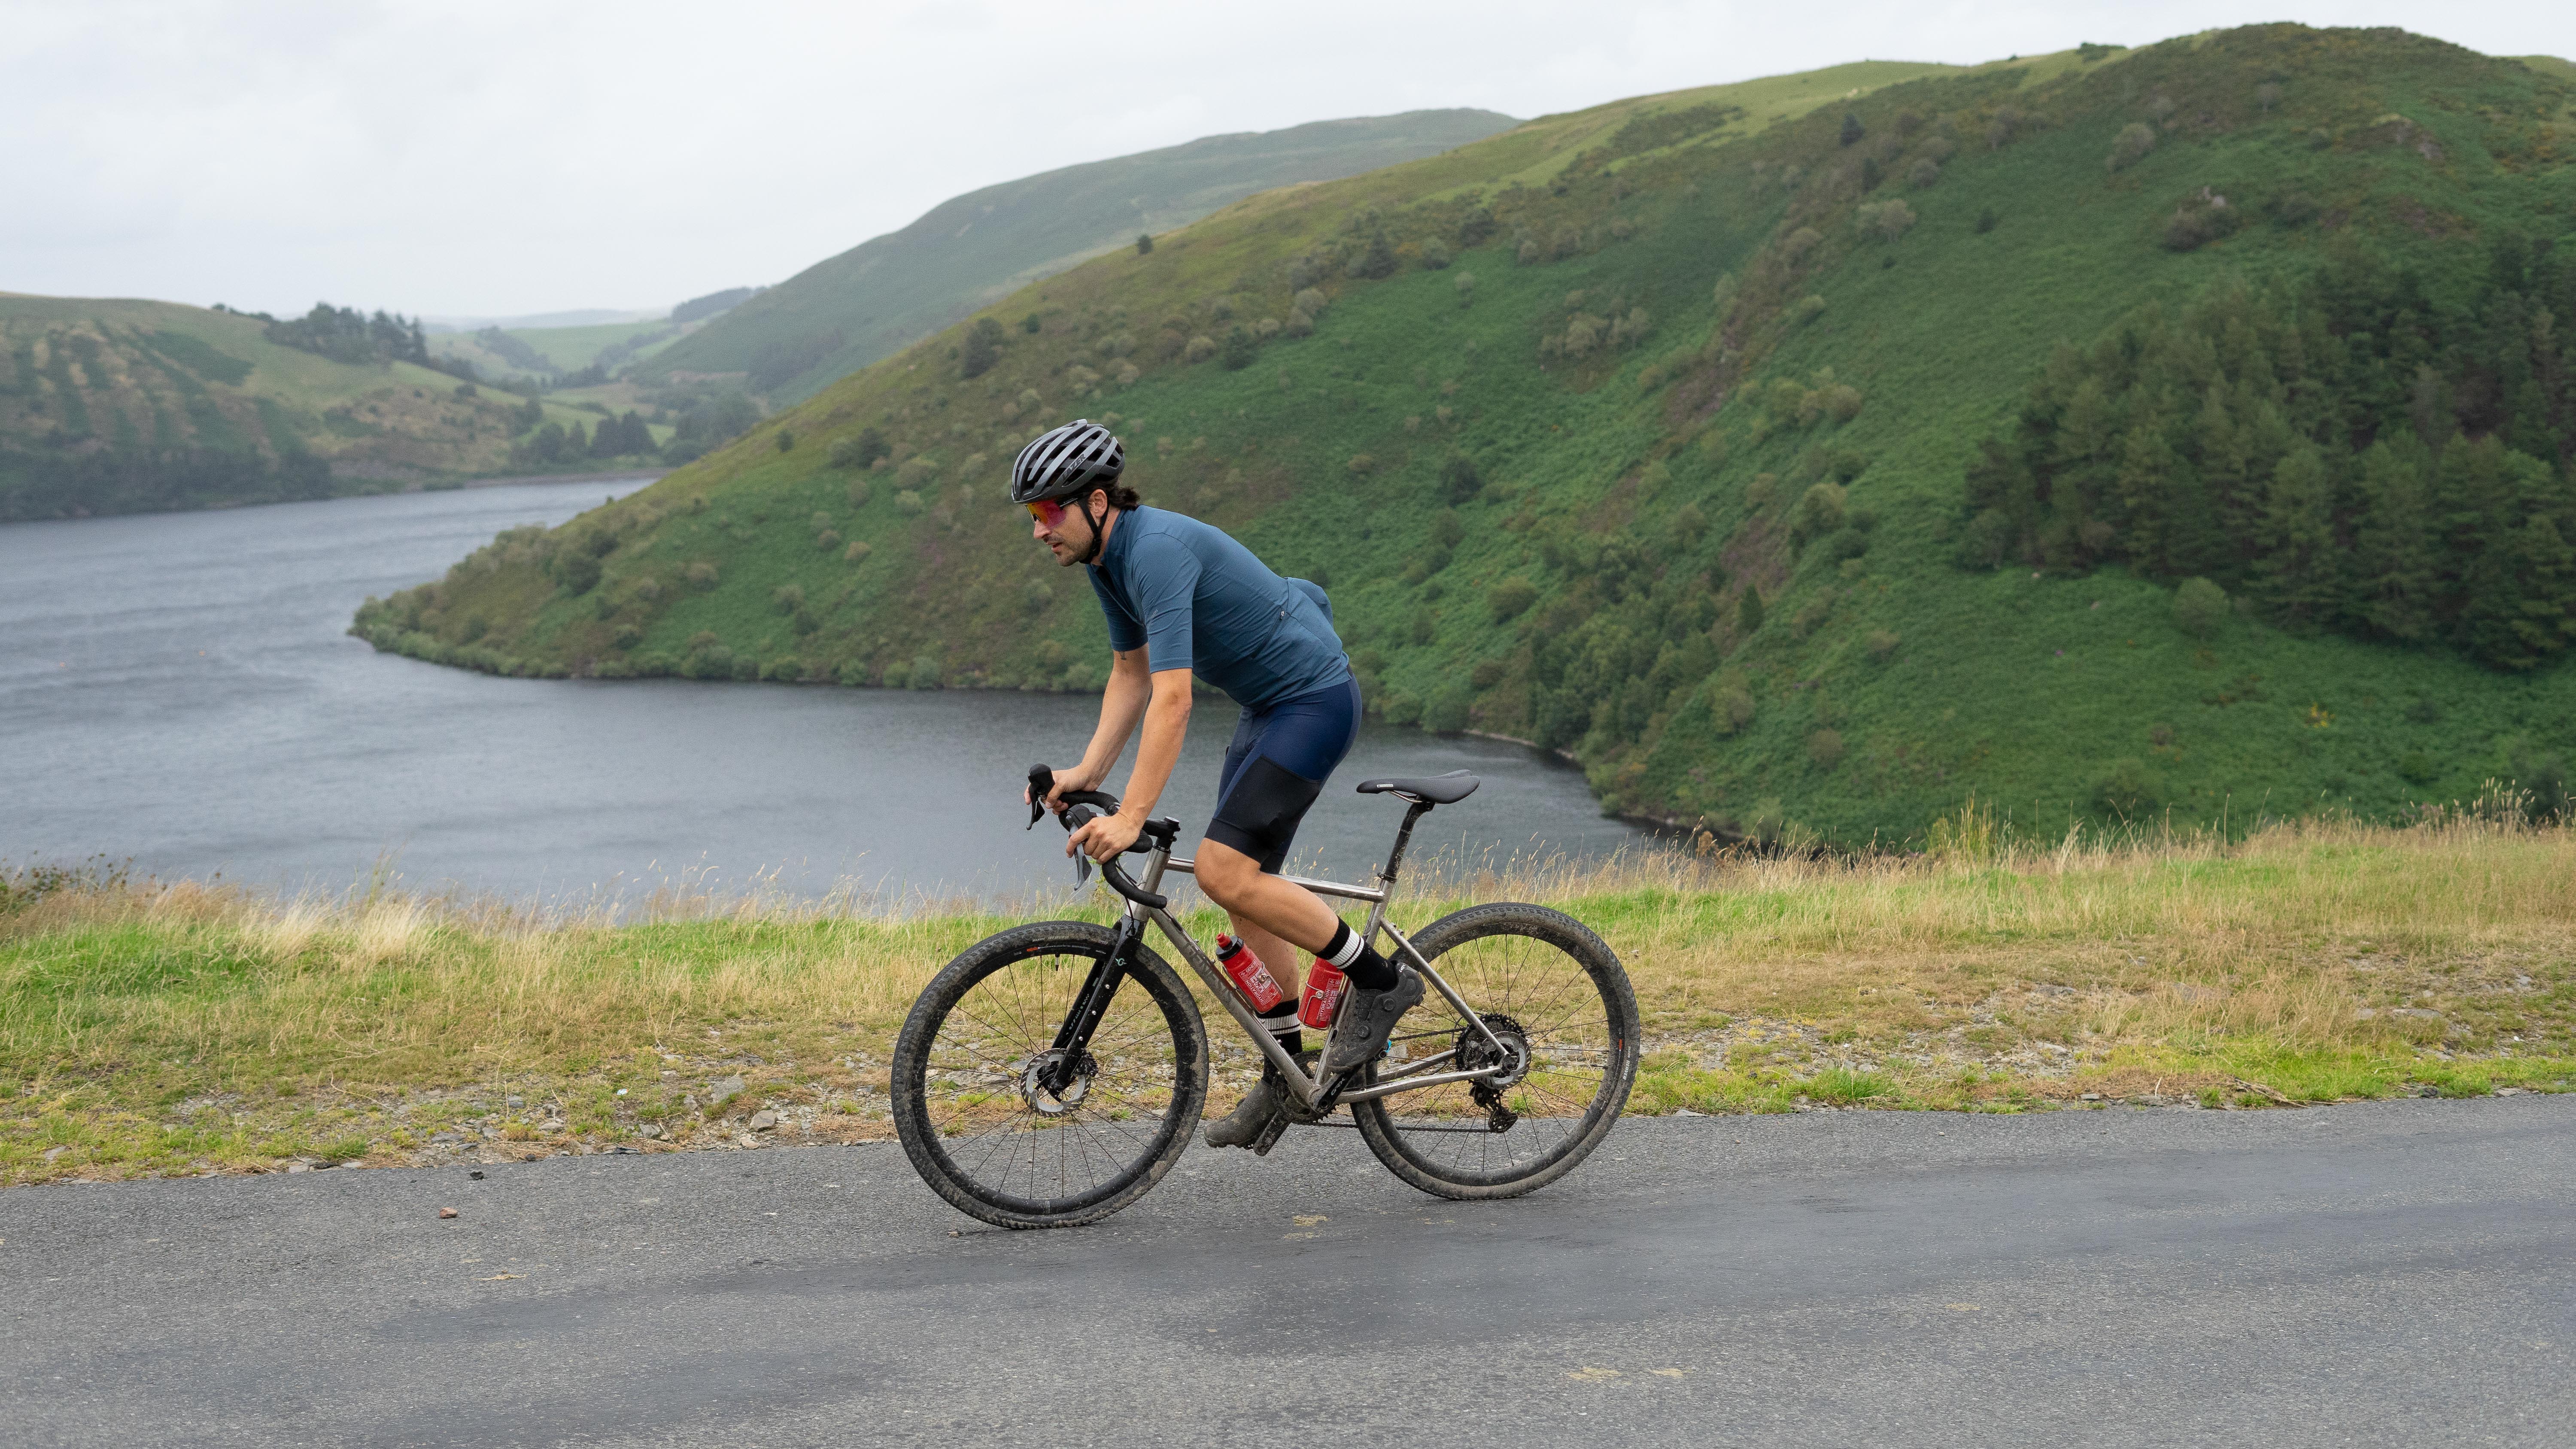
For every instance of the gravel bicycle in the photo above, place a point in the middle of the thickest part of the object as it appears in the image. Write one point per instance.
(1050, 1075)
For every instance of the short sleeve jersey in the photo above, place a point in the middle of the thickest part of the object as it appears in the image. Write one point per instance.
(1193, 598)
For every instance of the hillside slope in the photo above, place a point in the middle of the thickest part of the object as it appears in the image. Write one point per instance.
(841, 314)
(119, 406)
(1658, 434)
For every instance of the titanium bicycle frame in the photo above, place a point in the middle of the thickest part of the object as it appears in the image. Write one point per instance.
(1315, 1092)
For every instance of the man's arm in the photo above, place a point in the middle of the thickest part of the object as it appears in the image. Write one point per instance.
(1122, 703)
(1167, 722)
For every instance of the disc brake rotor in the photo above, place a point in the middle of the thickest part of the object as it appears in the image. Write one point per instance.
(1055, 1104)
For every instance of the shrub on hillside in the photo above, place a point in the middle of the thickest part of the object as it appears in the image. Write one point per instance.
(1459, 480)
(1821, 510)
(908, 503)
(1809, 308)
(1434, 255)
(1852, 129)
(2200, 220)
(859, 449)
(858, 493)
(1241, 347)
(1732, 707)
(1887, 220)
(1198, 349)
(1748, 612)
(701, 575)
(1310, 301)
(1825, 747)
(857, 551)
(925, 672)
(2127, 792)
(2130, 147)
(1446, 714)
(1922, 173)
(2199, 607)
(1511, 598)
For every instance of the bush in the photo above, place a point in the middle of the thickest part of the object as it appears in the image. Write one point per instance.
(2127, 792)
(2199, 221)
(1310, 302)
(908, 503)
(1144, 243)
(1986, 221)
(1298, 325)
(858, 493)
(1434, 255)
(828, 540)
(2130, 147)
(1511, 598)
(1199, 349)
(1825, 747)
(1922, 173)
(858, 451)
(857, 550)
(1986, 539)
(2416, 767)
(1459, 480)
(898, 675)
(854, 674)
(577, 571)
(1820, 511)
(1852, 129)
(1241, 347)
(1881, 645)
(924, 673)
(786, 599)
(2199, 607)
(701, 575)
(1886, 219)
(1748, 613)
(1733, 707)
(1809, 308)
(1401, 708)
(786, 440)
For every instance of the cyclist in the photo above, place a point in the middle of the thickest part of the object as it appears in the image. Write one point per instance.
(1181, 597)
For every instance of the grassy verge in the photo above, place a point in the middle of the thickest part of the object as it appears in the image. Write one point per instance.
(176, 1029)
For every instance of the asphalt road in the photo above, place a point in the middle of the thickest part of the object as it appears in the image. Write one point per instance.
(2397, 1273)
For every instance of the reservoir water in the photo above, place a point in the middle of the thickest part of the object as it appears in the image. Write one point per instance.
(178, 689)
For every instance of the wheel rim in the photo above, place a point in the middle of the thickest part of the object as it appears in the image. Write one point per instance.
(991, 1120)
(1562, 1051)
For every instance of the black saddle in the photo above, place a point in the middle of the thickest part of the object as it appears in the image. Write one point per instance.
(1446, 789)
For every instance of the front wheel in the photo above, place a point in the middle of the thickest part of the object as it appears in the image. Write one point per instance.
(971, 1100)
(1557, 999)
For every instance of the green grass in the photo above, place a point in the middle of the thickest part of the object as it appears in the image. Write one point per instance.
(1628, 488)
(151, 1029)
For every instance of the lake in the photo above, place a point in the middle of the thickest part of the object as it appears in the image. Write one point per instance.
(177, 688)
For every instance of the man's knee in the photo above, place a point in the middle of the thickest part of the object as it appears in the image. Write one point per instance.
(1225, 875)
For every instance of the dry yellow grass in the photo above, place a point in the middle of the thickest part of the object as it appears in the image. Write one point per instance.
(177, 1028)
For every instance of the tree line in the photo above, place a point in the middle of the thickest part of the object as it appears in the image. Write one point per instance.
(2367, 451)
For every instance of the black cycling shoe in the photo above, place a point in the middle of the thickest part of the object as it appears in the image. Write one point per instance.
(1244, 1125)
(1368, 1018)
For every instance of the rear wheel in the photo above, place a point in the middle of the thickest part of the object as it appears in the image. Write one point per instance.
(1557, 999)
(972, 1106)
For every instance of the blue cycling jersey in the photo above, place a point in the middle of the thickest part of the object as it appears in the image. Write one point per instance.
(1193, 598)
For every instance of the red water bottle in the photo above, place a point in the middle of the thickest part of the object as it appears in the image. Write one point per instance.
(1323, 999)
(1248, 974)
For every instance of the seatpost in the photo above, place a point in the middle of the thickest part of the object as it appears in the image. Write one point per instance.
(1403, 835)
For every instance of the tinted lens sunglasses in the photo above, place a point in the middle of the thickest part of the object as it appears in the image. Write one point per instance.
(1048, 513)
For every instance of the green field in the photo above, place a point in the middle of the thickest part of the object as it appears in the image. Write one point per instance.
(850, 310)
(1689, 370)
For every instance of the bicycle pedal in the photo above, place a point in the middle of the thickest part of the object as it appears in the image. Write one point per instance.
(1271, 1132)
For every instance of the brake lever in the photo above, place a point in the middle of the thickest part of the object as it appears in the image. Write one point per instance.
(1041, 785)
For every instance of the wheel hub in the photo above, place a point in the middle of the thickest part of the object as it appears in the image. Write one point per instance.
(1512, 1062)
(1033, 1083)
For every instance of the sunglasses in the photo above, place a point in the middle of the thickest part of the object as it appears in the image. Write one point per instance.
(1049, 515)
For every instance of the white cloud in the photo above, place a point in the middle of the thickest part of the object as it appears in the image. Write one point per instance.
(495, 158)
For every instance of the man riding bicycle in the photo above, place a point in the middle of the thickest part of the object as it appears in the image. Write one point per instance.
(1182, 597)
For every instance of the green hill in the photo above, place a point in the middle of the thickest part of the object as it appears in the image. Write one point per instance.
(840, 315)
(119, 406)
(1806, 457)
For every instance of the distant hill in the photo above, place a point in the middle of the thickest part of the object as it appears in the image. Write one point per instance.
(117, 406)
(2182, 433)
(567, 342)
(839, 315)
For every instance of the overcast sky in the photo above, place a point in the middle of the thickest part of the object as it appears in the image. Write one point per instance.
(500, 158)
